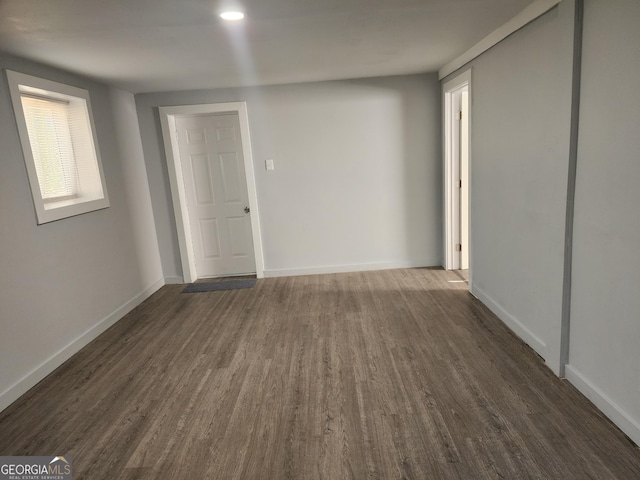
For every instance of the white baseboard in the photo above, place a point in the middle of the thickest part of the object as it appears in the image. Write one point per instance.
(611, 409)
(358, 267)
(513, 323)
(173, 280)
(19, 388)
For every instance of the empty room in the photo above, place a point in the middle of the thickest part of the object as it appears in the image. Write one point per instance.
(282, 239)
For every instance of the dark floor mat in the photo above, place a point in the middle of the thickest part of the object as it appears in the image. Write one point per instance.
(220, 285)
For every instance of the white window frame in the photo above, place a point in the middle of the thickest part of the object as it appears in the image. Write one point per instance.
(47, 210)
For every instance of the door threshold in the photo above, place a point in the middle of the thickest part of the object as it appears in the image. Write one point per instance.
(238, 276)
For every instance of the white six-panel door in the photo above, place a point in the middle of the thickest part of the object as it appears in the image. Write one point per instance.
(216, 193)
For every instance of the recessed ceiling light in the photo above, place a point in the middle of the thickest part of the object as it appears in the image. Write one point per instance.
(232, 16)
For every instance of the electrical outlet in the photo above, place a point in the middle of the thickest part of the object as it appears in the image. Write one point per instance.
(268, 165)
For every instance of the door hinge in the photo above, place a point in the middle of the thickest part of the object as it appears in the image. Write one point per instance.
(460, 115)
(458, 247)
(459, 183)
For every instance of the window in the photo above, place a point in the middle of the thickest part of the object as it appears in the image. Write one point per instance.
(59, 146)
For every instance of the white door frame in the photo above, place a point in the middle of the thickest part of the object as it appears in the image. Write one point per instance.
(451, 214)
(168, 122)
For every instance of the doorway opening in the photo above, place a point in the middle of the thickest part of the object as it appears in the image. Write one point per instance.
(457, 167)
(213, 189)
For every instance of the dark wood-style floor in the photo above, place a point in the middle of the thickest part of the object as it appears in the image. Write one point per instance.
(390, 375)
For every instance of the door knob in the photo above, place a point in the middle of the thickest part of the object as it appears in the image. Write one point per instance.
(247, 209)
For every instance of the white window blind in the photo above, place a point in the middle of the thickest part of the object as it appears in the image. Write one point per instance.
(51, 145)
(60, 147)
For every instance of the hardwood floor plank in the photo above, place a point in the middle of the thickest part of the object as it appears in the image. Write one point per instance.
(397, 374)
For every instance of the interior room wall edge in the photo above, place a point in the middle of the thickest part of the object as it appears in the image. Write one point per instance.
(47, 367)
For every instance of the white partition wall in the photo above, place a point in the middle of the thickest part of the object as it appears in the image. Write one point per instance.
(521, 100)
(604, 351)
(521, 195)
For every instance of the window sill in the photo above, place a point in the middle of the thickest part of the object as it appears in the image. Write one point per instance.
(69, 208)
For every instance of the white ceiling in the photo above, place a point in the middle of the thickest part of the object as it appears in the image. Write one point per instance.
(155, 45)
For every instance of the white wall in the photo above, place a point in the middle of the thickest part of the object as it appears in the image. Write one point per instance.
(604, 354)
(357, 183)
(521, 94)
(136, 186)
(520, 150)
(64, 282)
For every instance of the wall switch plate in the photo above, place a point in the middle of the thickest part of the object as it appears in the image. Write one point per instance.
(268, 164)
